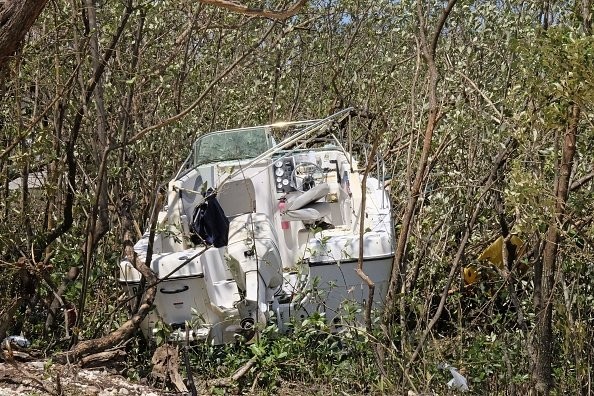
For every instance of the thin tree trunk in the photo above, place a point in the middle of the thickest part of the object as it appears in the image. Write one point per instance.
(125, 331)
(399, 269)
(95, 232)
(545, 268)
(360, 270)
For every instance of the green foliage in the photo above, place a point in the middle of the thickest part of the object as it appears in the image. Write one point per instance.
(310, 354)
(162, 332)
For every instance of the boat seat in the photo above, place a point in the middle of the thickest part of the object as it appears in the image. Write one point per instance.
(316, 193)
(311, 212)
(237, 197)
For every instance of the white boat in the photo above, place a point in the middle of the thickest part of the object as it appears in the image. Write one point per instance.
(256, 232)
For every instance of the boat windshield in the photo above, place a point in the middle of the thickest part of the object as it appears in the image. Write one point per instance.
(230, 145)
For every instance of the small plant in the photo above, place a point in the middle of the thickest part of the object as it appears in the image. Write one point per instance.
(162, 332)
(47, 365)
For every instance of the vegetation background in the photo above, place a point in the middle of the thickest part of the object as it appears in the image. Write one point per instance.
(483, 111)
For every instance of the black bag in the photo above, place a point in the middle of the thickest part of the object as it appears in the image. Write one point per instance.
(209, 223)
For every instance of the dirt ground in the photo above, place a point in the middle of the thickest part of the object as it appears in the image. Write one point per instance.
(41, 378)
(27, 373)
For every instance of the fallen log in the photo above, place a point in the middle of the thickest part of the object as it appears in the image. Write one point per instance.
(103, 359)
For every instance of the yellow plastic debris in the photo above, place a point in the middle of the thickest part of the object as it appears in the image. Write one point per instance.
(494, 252)
(470, 275)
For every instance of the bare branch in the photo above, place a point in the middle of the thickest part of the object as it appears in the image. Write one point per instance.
(260, 12)
(499, 161)
(38, 119)
(484, 95)
(442, 19)
(140, 134)
(581, 181)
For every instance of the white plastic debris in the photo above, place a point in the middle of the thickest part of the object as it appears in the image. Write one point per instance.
(458, 381)
(18, 341)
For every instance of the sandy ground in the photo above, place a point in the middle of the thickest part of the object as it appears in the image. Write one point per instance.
(39, 378)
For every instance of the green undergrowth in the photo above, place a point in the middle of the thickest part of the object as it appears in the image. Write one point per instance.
(479, 335)
(310, 354)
